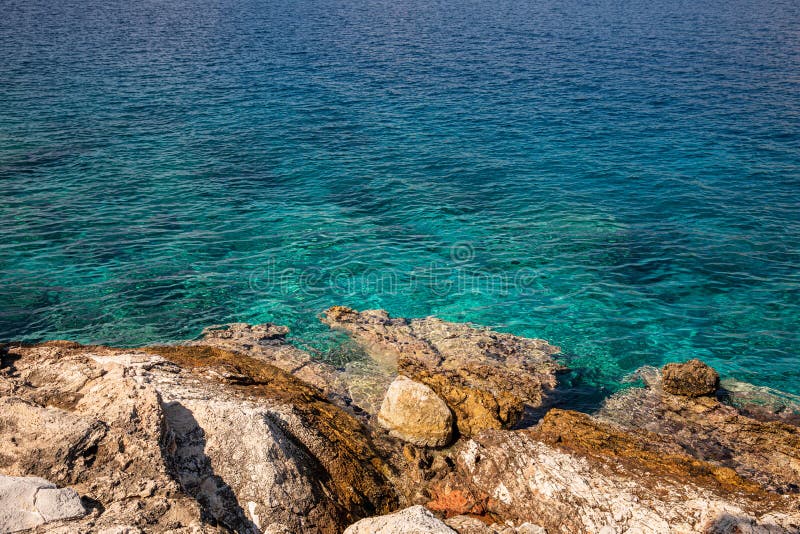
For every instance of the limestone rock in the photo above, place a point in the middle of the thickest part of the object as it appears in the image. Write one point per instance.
(464, 524)
(186, 439)
(122, 529)
(765, 451)
(690, 379)
(27, 502)
(267, 342)
(28, 447)
(414, 413)
(413, 520)
(195, 439)
(59, 503)
(574, 473)
(485, 377)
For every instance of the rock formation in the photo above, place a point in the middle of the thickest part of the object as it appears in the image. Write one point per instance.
(170, 438)
(765, 451)
(240, 431)
(485, 377)
(573, 473)
(267, 343)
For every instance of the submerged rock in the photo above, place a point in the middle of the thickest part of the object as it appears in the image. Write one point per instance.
(413, 520)
(759, 402)
(464, 524)
(485, 377)
(27, 502)
(414, 413)
(366, 383)
(690, 379)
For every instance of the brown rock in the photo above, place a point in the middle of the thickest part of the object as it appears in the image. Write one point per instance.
(267, 342)
(186, 439)
(690, 379)
(487, 378)
(766, 452)
(575, 473)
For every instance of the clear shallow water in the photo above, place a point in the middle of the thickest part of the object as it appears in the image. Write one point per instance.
(620, 178)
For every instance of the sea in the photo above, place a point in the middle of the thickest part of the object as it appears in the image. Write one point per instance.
(620, 178)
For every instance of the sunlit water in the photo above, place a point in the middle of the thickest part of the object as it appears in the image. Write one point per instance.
(620, 178)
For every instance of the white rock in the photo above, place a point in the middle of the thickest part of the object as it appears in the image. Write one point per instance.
(414, 413)
(413, 520)
(122, 529)
(57, 504)
(27, 502)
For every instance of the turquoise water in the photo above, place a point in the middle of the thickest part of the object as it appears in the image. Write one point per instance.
(620, 178)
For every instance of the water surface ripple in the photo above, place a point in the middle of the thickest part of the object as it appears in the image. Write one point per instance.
(620, 178)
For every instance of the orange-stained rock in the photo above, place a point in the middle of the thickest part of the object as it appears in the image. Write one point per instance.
(186, 437)
(487, 378)
(576, 473)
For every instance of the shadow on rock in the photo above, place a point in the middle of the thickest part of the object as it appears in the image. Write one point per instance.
(193, 470)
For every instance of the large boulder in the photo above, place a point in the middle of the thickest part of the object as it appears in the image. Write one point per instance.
(413, 520)
(691, 379)
(27, 502)
(414, 413)
(487, 378)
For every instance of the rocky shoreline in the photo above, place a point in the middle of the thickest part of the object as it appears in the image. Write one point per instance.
(240, 431)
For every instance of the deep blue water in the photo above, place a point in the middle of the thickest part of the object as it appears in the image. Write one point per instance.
(621, 178)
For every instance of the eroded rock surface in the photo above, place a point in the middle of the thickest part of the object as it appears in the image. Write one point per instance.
(267, 342)
(573, 473)
(765, 451)
(464, 524)
(690, 379)
(226, 437)
(174, 439)
(487, 378)
(414, 413)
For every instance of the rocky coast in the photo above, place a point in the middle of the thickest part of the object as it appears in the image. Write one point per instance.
(442, 428)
